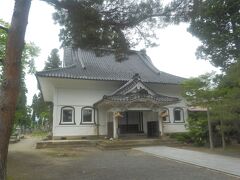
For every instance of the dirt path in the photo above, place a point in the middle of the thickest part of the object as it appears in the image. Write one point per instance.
(26, 144)
(27, 163)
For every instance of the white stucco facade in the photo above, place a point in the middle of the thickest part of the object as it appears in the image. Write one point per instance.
(98, 94)
(78, 94)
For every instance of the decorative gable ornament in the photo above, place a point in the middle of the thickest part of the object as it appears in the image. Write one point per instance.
(164, 114)
(136, 92)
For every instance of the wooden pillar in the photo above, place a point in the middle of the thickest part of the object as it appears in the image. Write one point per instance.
(160, 121)
(115, 126)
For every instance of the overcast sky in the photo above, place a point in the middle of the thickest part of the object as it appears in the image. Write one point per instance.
(175, 54)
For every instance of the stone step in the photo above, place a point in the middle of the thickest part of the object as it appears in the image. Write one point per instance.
(128, 144)
(105, 144)
(66, 143)
(133, 135)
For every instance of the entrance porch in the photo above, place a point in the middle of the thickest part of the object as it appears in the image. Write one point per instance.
(134, 124)
(135, 108)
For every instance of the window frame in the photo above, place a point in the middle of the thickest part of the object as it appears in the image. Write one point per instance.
(168, 120)
(73, 115)
(181, 115)
(93, 115)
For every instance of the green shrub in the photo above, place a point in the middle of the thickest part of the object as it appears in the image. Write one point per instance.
(197, 126)
(182, 137)
(39, 133)
(198, 130)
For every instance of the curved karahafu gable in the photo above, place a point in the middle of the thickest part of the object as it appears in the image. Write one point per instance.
(136, 91)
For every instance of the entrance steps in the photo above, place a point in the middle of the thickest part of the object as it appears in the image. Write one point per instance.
(133, 136)
(130, 143)
(66, 143)
(108, 144)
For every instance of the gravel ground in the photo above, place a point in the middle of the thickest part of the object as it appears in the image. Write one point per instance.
(27, 163)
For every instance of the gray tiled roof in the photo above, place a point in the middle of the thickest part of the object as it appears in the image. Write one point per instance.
(84, 64)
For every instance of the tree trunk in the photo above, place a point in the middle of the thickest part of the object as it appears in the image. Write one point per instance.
(222, 134)
(11, 78)
(209, 129)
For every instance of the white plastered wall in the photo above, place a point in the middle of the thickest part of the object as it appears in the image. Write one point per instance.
(78, 96)
(81, 93)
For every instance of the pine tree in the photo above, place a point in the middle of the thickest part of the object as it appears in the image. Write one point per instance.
(53, 61)
(43, 111)
(217, 25)
(117, 24)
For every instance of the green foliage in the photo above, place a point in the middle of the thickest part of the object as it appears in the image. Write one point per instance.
(221, 94)
(228, 104)
(23, 112)
(114, 24)
(10, 178)
(53, 60)
(42, 111)
(217, 24)
(198, 130)
(3, 40)
(200, 91)
(31, 51)
(181, 137)
(39, 133)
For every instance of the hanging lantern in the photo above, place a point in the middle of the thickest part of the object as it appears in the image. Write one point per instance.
(118, 115)
(164, 114)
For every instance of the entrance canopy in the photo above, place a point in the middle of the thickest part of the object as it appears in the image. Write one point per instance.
(135, 92)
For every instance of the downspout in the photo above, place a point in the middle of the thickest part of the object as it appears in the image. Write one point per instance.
(97, 121)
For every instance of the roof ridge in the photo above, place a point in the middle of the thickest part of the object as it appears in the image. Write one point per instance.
(122, 87)
(56, 69)
(148, 63)
(173, 75)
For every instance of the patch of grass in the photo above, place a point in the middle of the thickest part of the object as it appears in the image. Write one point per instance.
(39, 133)
(182, 137)
(10, 178)
(70, 152)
